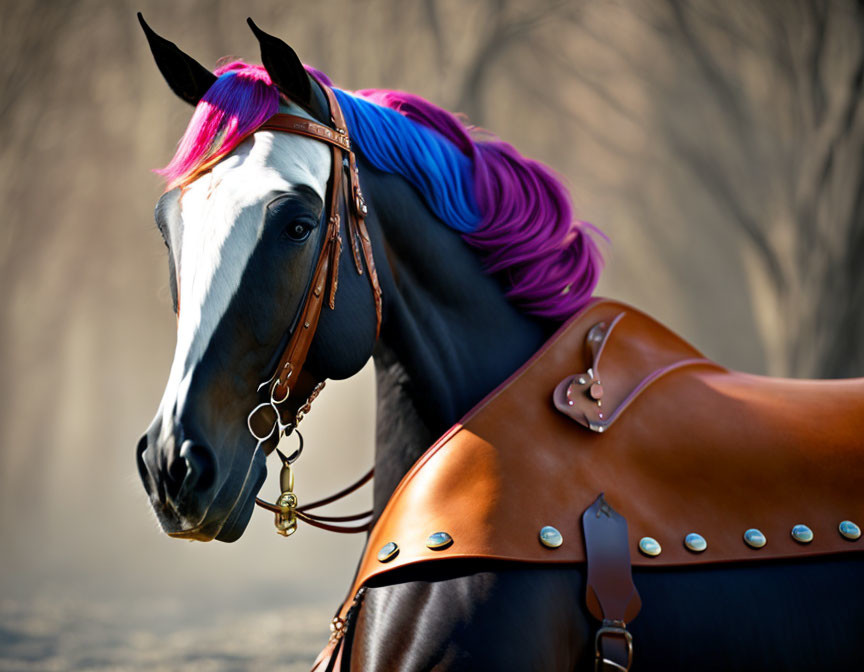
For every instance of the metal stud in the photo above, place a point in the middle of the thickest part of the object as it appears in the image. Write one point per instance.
(754, 538)
(388, 551)
(849, 530)
(695, 542)
(802, 534)
(550, 537)
(438, 541)
(650, 547)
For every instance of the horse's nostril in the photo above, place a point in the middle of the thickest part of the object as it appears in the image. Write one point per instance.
(177, 471)
(199, 465)
(204, 462)
(139, 460)
(175, 475)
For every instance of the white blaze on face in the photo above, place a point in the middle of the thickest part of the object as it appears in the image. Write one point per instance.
(222, 216)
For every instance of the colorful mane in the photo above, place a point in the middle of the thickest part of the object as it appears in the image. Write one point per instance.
(513, 210)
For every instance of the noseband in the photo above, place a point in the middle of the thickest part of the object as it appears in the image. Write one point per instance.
(267, 421)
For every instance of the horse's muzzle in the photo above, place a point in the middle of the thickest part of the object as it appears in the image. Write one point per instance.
(181, 482)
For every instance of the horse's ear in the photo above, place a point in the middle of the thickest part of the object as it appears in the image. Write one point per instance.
(187, 77)
(285, 69)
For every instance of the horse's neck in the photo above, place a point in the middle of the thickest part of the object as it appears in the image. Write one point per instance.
(449, 335)
(401, 435)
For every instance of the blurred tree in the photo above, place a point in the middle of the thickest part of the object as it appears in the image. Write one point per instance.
(504, 25)
(796, 194)
(761, 105)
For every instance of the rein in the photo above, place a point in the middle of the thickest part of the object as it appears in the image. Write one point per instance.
(266, 421)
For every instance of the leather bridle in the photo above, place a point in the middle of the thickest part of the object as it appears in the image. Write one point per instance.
(290, 389)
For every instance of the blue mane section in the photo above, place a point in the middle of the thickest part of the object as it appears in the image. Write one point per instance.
(395, 144)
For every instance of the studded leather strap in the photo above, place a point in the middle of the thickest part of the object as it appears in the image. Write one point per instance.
(289, 123)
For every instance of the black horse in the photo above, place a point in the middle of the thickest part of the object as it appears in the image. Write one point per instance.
(242, 238)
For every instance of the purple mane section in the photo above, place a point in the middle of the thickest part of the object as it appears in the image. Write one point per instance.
(527, 230)
(515, 211)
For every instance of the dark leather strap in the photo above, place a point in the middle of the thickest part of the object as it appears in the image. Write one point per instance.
(611, 596)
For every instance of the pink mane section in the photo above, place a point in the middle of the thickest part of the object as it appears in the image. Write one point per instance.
(241, 99)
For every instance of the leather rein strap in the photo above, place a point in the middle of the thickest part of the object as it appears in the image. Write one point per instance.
(289, 379)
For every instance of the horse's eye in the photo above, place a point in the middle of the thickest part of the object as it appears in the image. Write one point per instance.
(298, 230)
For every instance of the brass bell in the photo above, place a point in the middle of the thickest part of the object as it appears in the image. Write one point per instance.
(286, 518)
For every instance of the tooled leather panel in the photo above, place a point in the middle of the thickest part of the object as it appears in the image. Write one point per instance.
(703, 450)
(620, 367)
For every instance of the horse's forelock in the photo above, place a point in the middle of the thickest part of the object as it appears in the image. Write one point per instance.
(240, 100)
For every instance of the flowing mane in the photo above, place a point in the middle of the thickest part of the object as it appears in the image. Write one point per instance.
(513, 210)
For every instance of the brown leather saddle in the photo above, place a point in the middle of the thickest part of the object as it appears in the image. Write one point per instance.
(706, 465)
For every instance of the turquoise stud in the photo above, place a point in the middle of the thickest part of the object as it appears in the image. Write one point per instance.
(802, 534)
(695, 542)
(849, 530)
(754, 538)
(438, 541)
(551, 537)
(650, 547)
(388, 552)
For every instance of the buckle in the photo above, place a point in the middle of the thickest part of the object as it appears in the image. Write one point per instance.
(337, 629)
(612, 629)
(360, 203)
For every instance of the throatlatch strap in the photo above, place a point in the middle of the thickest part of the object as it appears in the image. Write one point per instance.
(611, 596)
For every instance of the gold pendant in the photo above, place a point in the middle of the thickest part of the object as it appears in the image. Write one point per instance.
(286, 518)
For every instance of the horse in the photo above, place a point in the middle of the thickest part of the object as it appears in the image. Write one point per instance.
(478, 261)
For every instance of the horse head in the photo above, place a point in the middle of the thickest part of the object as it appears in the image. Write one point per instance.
(244, 233)
(483, 258)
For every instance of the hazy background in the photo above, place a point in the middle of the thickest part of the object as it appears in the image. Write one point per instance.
(718, 145)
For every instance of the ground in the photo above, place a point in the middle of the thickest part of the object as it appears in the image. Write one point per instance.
(47, 634)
